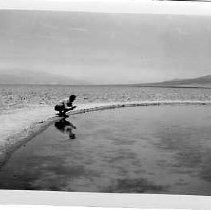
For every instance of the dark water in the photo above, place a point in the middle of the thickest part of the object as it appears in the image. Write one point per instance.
(164, 149)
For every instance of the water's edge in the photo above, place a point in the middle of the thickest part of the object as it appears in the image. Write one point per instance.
(36, 128)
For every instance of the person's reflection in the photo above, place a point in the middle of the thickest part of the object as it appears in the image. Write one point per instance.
(65, 127)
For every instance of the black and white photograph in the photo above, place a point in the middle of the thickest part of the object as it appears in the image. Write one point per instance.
(106, 98)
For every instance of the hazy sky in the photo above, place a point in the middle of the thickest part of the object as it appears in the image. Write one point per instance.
(106, 48)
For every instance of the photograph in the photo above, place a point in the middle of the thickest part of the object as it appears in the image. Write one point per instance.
(113, 99)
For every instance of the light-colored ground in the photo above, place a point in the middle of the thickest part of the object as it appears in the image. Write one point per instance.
(15, 121)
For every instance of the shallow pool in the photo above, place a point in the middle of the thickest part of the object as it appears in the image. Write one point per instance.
(163, 149)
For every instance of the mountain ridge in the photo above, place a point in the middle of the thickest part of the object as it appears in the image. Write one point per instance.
(36, 77)
(203, 81)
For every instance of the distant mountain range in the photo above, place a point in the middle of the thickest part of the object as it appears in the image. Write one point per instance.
(37, 77)
(34, 77)
(198, 82)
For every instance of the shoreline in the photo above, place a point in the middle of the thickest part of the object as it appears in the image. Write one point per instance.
(35, 128)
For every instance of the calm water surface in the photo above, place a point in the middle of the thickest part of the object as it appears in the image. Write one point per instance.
(164, 149)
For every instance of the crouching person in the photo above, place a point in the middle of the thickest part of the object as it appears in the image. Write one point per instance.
(65, 105)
